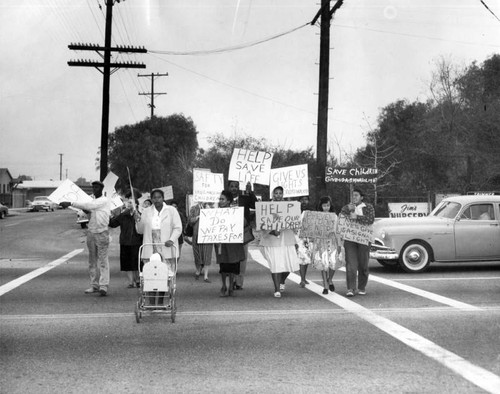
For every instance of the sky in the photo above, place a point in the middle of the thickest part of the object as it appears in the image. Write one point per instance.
(381, 51)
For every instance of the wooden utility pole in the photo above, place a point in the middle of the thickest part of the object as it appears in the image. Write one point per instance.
(324, 78)
(106, 72)
(60, 166)
(152, 93)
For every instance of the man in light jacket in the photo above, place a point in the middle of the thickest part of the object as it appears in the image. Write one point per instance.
(97, 238)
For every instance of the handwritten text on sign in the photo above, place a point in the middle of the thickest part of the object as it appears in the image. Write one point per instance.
(353, 231)
(221, 225)
(68, 191)
(294, 180)
(250, 166)
(351, 175)
(277, 215)
(207, 186)
(319, 225)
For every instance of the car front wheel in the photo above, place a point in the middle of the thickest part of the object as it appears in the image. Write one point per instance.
(415, 257)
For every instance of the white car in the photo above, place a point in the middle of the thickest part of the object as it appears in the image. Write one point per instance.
(43, 203)
(461, 228)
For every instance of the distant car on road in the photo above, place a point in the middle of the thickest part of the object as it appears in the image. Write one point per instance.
(461, 228)
(4, 211)
(43, 203)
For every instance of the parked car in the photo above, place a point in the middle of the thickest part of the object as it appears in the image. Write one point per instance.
(4, 211)
(461, 228)
(43, 202)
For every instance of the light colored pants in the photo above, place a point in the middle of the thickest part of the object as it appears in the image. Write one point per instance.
(98, 244)
(243, 267)
(357, 257)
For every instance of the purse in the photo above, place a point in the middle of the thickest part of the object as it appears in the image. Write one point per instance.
(188, 230)
(247, 235)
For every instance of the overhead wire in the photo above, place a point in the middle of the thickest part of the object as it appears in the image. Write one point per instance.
(488, 8)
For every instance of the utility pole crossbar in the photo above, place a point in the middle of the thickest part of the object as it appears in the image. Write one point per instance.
(152, 94)
(106, 65)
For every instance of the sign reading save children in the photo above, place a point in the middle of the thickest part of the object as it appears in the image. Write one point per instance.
(353, 231)
(277, 215)
(221, 225)
(250, 166)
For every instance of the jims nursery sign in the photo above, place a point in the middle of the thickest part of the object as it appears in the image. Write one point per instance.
(408, 209)
(351, 175)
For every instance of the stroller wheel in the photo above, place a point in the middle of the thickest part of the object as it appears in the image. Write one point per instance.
(138, 313)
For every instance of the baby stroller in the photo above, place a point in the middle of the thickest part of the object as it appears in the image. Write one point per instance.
(157, 285)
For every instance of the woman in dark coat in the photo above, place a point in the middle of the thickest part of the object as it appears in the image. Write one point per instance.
(228, 255)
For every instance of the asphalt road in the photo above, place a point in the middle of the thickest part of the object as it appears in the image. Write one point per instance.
(437, 332)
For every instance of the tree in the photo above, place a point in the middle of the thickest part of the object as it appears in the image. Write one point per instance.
(156, 151)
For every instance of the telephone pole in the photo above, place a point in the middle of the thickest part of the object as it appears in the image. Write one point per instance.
(106, 72)
(326, 15)
(60, 166)
(152, 93)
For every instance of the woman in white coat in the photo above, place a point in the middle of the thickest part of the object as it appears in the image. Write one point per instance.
(160, 223)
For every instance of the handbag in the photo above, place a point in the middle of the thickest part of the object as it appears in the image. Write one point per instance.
(188, 230)
(247, 235)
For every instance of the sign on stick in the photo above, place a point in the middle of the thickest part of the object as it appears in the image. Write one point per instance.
(277, 215)
(221, 225)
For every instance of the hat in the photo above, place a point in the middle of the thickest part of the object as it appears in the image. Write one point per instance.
(98, 183)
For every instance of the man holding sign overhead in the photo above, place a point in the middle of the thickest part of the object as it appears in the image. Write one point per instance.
(97, 238)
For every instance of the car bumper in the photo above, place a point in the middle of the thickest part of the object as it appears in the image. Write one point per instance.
(384, 254)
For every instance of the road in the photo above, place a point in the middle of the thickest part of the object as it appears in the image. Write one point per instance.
(436, 332)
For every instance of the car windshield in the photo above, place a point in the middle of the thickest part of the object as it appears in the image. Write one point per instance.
(447, 210)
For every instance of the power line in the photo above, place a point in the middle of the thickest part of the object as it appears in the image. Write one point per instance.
(231, 48)
(488, 8)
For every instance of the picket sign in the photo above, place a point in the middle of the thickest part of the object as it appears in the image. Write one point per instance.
(354, 231)
(250, 166)
(322, 225)
(221, 225)
(294, 180)
(68, 191)
(207, 185)
(277, 215)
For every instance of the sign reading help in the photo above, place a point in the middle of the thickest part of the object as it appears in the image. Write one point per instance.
(207, 186)
(319, 225)
(250, 166)
(68, 191)
(294, 180)
(221, 225)
(278, 215)
(353, 231)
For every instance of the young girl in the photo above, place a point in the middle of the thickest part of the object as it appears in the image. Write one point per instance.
(325, 250)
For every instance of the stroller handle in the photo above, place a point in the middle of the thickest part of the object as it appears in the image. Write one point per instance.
(176, 258)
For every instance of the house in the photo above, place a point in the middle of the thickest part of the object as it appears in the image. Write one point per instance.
(28, 190)
(5, 186)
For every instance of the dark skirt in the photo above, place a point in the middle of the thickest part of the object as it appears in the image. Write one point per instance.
(229, 268)
(129, 255)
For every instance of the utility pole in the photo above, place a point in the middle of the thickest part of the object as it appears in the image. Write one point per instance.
(106, 72)
(152, 93)
(60, 166)
(324, 77)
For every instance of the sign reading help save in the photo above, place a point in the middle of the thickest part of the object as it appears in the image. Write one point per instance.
(277, 215)
(221, 225)
(353, 231)
(250, 166)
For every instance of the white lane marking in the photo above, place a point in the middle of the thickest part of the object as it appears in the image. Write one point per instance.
(239, 313)
(33, 274)
(482, 378)
(452, 279)
(12, 224)
(423, 293)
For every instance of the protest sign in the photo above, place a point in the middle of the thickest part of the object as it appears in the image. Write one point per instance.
(68, 191)
(318, 225)
(207, 186)
(221, 225)
(250, 166)
(351, 175)
(115, 201)
(277, 215)
(109, 184)
(351, 230)
(408, 209)
(168, 192)
(294, 180)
